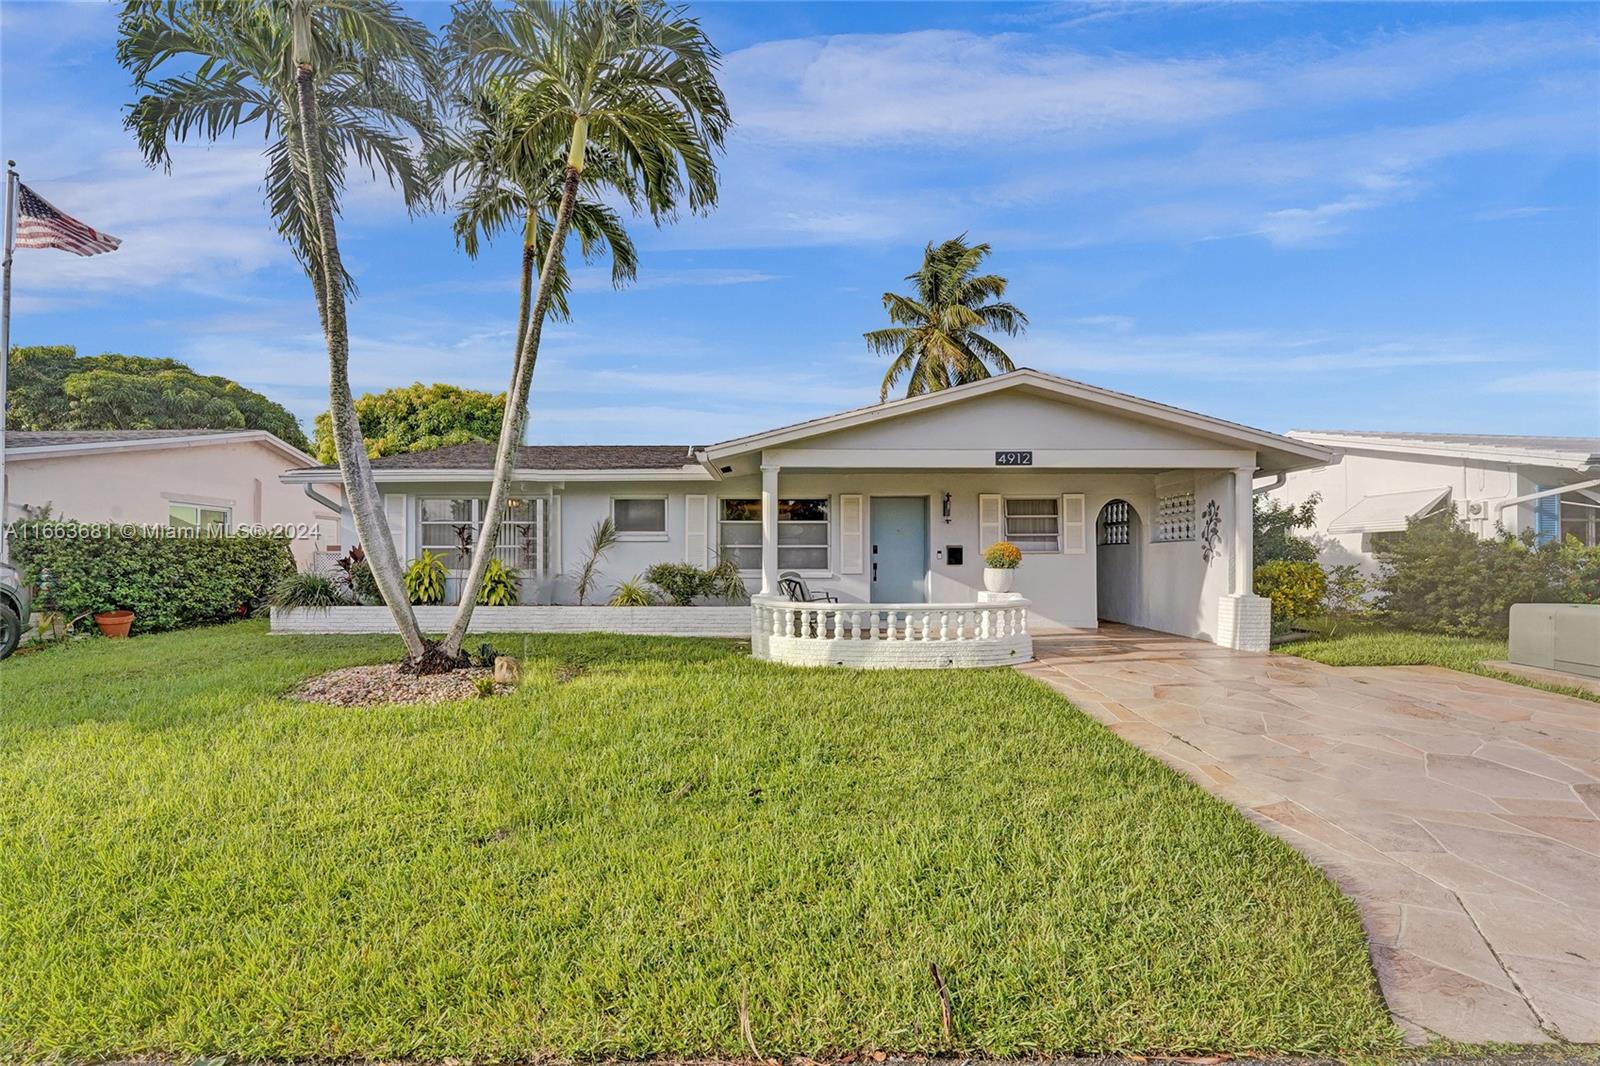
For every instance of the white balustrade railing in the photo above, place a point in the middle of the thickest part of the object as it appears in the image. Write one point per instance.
(907, 635)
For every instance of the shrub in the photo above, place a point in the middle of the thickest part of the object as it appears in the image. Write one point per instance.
(632, 594)
(502, 586)
(681, 582)
(1275, 524)
(364, 586)
(725, 580)
(1348, 598)
(425, 579)
(308, 589)
(1440, 577)
(167, 581)
(1295, 589)
(1002, 555)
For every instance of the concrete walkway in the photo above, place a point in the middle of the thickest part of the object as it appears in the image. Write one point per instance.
(1458, 812)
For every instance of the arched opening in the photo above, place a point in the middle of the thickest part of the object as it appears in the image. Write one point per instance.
(1119, 564)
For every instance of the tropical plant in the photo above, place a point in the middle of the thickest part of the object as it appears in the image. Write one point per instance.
(329, 83)
(483, 686)
(425, 579)
(502, 586)
(631, 84)
(1295, 588)
(602, 539)
(1347, 598)
(680, 582)
(308, 589)
(634, 593)
(1002, 555)
(726, 582)
(1275, 523)
(937, 339)
(415, 418)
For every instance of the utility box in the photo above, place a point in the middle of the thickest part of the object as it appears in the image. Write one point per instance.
(1557, 636)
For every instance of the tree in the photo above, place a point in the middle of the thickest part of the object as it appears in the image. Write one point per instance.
(53, 387)
(1275, 523)
(416, 417)
(937, 340)
(328, 82)
(632, 84)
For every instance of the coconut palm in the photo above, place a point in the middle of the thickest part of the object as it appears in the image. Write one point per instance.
(329, 82)
(632, 84)
(937, 339)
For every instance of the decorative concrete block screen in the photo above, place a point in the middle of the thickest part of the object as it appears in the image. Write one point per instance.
(638, 621)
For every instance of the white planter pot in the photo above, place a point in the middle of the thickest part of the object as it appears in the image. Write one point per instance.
(997, 580)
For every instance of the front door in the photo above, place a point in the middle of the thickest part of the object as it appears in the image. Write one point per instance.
(899, 549)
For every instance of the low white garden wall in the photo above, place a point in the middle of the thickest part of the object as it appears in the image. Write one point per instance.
(640, 621)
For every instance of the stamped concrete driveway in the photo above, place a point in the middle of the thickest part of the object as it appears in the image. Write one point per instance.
(1458, 812)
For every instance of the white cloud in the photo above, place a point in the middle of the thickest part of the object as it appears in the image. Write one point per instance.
(1583, 385)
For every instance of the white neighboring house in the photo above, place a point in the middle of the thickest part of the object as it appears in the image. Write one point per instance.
(184, 478)
(1378, 481)
(1126, 509)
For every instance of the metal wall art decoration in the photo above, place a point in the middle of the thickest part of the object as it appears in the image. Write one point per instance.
(1211, 532)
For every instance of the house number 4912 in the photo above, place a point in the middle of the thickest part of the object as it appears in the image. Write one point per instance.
(1013, 458)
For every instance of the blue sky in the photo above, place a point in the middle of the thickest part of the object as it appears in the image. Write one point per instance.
(1329, 216)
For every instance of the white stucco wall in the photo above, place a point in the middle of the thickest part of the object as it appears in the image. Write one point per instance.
(1356, 475)
(137, 485)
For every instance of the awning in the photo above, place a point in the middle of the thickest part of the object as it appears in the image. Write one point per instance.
(1389, 512)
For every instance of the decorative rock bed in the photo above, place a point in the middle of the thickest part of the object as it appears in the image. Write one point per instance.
(361, 686)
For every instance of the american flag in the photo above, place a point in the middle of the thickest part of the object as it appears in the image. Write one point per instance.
(41, 226)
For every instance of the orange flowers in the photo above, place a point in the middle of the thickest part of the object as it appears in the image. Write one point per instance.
(1002, 555)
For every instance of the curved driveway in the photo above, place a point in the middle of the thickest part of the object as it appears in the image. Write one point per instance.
(1458, 812)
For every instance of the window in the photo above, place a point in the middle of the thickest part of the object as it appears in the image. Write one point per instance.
(640, 518)
(1116, 523)
(802, 533)
(1034, 525)
(1580, 519)
(195, 518)
(449, 525)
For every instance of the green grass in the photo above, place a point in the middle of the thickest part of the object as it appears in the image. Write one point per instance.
(605, 862)
(1374, 647)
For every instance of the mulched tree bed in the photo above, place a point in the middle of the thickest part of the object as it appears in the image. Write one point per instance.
(361, 686)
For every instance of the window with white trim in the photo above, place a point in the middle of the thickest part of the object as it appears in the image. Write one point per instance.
(803, 537)
(1033, 524)
(446, 525)
(198, 518)
(640, 517)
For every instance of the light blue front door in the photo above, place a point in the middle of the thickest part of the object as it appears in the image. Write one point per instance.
(899, 549)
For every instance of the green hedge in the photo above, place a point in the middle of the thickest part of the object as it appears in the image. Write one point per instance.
(168, 581)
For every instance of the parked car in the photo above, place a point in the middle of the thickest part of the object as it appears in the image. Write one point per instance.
(14, 605)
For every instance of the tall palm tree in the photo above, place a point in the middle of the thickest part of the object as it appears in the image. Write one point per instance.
(328, 81)
(632, 84)
(937, 339)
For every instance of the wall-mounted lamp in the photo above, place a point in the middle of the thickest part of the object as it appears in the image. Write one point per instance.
(947, 508)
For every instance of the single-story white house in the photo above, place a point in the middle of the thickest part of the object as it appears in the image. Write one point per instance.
(185, 478)
(1125, 509)
(1379, 481)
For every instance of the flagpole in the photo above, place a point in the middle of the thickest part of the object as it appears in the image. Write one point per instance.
(5, 347)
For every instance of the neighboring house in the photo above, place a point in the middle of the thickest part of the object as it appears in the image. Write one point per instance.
(1126, 509)
(183, 478)
(1379, 481)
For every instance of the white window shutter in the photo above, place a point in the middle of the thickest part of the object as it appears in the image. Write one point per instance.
(851, 557)
(394, 510)
(694, 530)
(1074, 538)
(990, 527)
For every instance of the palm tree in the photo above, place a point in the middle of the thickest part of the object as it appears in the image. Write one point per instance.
(936, 340)
(630, 85)
(329, 81)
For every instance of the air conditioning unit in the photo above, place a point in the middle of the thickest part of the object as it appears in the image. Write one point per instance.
(1477, 509)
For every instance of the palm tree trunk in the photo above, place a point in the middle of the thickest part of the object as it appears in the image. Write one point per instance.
(372, 526)
(516, 415)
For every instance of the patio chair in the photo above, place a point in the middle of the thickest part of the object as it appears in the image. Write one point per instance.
(793, 586)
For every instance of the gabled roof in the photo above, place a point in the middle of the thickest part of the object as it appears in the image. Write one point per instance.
(43, 444)
(1277, 452)
(1579, 453)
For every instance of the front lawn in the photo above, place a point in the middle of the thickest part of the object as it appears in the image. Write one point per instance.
(610, 860)
(1378, 647)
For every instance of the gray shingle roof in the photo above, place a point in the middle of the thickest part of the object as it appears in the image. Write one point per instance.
(31, 438)
(1484, 440)
(545, 457)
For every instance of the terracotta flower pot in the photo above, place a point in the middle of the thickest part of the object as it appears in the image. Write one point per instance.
(114, 624)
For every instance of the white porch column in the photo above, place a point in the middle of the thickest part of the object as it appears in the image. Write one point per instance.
(1244, 620)
(1244, 528)
(769, 529)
